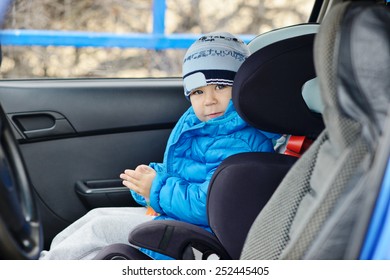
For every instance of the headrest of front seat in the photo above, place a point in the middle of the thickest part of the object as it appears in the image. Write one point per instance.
(267, 90)
(362, 55)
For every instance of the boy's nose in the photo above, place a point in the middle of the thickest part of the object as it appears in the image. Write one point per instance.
(210, 98)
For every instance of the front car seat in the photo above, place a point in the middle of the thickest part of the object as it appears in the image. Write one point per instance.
(307, 216)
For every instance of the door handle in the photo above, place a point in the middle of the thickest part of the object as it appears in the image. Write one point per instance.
(40, 124)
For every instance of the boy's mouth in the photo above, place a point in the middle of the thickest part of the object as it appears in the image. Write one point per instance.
(214, 115)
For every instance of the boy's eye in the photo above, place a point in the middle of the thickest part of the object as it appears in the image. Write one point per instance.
(196, 92)
(219, 87)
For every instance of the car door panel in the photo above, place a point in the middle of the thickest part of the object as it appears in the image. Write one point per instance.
(73, 131)
(31, 125)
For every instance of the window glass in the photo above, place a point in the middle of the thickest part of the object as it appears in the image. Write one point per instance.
(126, 38)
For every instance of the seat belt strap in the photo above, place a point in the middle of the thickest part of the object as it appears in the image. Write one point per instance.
(297, 145)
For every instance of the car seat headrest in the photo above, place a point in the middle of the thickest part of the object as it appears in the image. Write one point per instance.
(277, 35)
(267, 90)
(352, 58)
(363, 58)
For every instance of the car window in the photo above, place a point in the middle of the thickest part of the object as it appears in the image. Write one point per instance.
(126, 38)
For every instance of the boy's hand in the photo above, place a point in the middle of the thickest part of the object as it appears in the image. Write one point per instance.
(139, 180)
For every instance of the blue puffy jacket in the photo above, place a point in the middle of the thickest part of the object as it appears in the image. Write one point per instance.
(194, 151)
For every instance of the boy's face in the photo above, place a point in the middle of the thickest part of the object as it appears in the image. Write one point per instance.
(210, 101)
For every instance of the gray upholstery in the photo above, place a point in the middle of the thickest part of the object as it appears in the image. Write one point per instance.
(309, 215)
(363, 95)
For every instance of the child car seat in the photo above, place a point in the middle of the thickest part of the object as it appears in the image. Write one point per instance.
(243, 183)
(272, 77)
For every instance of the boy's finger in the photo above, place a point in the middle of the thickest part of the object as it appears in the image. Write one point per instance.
(144, 168)
(133, 174)
(133, 181)
(131, 186)
(129, 179)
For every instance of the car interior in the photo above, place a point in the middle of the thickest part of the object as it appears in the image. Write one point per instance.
(314, 211)
(329, 96)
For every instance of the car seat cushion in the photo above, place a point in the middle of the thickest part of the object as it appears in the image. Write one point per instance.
(239, 189)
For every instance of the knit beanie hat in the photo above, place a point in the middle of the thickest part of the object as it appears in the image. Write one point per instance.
(213, 59)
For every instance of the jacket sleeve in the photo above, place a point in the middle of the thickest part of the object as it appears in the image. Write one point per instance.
(138, 198)
(180, 199)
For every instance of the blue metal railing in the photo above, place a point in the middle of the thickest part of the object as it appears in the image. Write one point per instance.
(159, 8)
(157, 39)
(91, 39)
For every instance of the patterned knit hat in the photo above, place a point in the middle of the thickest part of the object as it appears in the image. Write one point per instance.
(213, 59)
